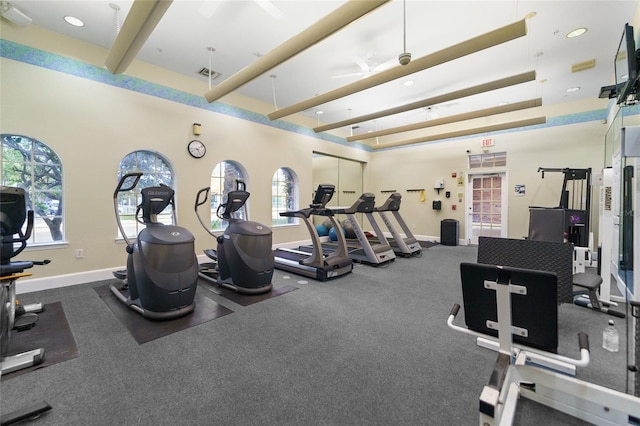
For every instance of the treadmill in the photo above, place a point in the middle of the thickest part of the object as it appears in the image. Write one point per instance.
(406, 246)
(315, 264)
(379, 252)
(362, 250)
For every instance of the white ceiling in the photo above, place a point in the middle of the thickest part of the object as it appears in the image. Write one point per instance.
(242, 30)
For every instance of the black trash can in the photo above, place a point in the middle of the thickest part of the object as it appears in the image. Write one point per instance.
(449, 232)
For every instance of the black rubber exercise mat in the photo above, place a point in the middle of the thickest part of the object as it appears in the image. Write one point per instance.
(246, 299)
(52, 333)
(144, 330)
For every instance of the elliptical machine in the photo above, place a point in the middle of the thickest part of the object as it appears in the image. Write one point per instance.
(243, 261)
(14, 316)
(162, 269)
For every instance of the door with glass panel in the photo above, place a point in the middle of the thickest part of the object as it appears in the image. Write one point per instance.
(487, 207)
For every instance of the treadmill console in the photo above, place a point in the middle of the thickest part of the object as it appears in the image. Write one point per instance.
(323, 195)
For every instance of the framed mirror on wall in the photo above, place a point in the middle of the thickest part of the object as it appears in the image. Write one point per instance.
(346, 175)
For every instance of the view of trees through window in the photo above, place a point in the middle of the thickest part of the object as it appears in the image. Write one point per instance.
(283, 196)
(36, 168)
(224, 178)
(156, 171)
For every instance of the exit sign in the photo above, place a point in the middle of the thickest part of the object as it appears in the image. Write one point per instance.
(487, 142)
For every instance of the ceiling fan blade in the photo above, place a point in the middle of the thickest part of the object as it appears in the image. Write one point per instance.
(270, 8)
(141, 20)
(364, 66)
(386, 65)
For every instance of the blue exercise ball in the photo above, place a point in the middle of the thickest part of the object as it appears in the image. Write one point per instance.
(332, 234)
(322, 230)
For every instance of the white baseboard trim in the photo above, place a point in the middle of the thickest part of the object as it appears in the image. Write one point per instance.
(58, 281)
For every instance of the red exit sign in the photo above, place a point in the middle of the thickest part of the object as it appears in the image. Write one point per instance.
(487, 142)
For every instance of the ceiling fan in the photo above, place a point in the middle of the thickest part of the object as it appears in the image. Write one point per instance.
(367, 67)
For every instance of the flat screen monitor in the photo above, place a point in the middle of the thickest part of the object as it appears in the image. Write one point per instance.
(626, 65)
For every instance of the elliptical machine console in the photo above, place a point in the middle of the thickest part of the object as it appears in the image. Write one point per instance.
(162, 269)
(243, 261)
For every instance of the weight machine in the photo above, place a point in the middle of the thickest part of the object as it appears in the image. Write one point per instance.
(570, 219)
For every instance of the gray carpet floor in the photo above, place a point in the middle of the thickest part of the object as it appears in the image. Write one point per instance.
(370, 348)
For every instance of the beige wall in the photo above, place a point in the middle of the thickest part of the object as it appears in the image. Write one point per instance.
(92, 126)
(577, 146)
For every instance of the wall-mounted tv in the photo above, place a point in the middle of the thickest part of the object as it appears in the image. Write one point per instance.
(626, 65)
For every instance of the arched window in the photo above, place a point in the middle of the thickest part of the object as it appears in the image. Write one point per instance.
(36, 168)
(224, 178)
(156, 170)
(284, 196)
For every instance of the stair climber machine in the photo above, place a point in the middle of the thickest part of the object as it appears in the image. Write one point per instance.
(315, 264)
(243, 261)
(162, 269)
(403, 246)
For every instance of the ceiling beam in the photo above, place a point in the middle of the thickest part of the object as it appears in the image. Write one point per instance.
(140, 22)
(490, 39)
(466, 132)
(330, 24)
(462, 93)
(531, 103)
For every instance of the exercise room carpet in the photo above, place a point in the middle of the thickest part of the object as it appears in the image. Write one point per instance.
(246, 299)
(52, 333)
(144, 330)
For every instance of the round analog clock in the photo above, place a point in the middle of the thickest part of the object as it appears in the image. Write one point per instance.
(197, 149)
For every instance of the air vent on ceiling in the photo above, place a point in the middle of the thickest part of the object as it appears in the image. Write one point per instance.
(205, 72)
(583, 66)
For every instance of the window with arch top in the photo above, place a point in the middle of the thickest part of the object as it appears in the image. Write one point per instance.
(33, 166)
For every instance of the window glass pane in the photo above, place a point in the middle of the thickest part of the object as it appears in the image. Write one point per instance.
(488, 160)
(283, 198)
(224, 178)
(156, 170)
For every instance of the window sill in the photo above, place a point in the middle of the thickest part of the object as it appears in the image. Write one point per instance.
(47, 246)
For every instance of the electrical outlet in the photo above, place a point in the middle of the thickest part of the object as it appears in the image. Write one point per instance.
(79, 253)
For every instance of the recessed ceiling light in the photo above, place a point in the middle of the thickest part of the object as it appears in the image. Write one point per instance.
(72, 20)
(573, 89)
(503, 103)
(408, 83)
(576, 33)
(319, 112)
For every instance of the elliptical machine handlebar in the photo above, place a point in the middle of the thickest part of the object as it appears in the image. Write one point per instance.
(129, 187)
(122, 188)
(201, 198)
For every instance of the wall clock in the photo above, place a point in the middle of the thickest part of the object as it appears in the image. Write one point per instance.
(197, 149)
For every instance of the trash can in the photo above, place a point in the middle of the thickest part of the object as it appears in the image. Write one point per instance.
(449, 232)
